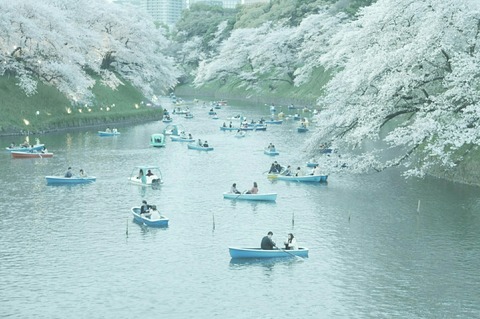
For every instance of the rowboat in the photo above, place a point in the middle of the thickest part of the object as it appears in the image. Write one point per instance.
(226, 128)
(181, 139)
(236, 252)
(257, 197)
(106, 133)
(70, 180)
(302, 129)
(305, 178)
(212, 112)
(274, 122)
(256, 127)
(30, 154)
(167, 120)
(159, 221)
(36, 147)
(189, 116)
(139, 175)
(199, 148)
(157, 140)
(240, 134)
(312, 164)
(173, 129)
(271, 152)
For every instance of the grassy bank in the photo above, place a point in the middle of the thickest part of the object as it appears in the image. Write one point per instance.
(278, 92)
(49, 110)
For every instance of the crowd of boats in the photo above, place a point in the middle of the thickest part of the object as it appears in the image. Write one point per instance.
(151, 175)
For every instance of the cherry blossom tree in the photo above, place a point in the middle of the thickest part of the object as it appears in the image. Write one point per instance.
(406, 89)
(250, 53)
(69, 43)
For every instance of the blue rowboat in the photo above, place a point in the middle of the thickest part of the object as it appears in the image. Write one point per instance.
(212, 112)
(104, 133)
(256, 127)
(181, 139)
(274, 122)
(257, 197)
(270, 152)
(305, 178)
(199, 148)
(226, 128)
(157, 140)
(189, 116)
(302, 129)
(240, 134)
(162, 221)
(261, 253)
(36, 147)
(69, 180)
(167, 120)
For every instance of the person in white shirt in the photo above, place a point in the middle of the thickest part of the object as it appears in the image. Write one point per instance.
(316, 171)
(291, 242)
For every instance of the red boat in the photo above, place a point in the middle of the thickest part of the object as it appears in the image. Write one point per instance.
(32, 154)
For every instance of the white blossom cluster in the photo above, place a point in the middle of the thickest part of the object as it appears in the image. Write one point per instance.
(70, 43)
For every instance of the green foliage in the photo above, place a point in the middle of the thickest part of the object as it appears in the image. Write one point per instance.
(278, 92)
(202, 20)
(48, 109)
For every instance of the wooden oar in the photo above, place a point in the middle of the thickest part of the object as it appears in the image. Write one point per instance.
(240, 194)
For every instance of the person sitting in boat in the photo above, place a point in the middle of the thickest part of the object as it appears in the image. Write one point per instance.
(267, 242)
(114, 130)
(278, 167)
(190, 136)
(234, 189)
(273, 169)
(108, 130)
(287, 171)
(140, 174)
(82, 173)
(316, 171)
(291, 242)
(154, 213)
(183, 135)
(25, 144)
(145, 209)
(12, 145)
(149, 173)
(230, 125)
(200, 142)
(44, 150)
(224, 125)
(299, 172)
(68, 173)
(254, 189)
(205, 144)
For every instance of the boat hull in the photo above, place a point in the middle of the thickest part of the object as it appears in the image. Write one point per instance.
(274, 122)
(69, 180)
(181, 139)
(255, 197)
(306, 178)
(199, 148)
(102, 133)
(30, 154)
(162, 222)
(271, 153)
(37, 147)
(261, 253)
(254, 128)
(302, 129)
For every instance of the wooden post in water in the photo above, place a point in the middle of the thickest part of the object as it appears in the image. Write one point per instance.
(126, 232)
(213, 215)
(418, 207)
(293, 219)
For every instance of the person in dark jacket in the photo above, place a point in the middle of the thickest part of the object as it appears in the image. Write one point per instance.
(267, 242)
